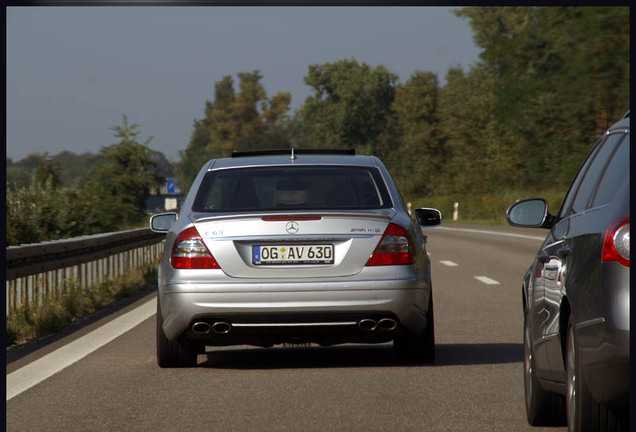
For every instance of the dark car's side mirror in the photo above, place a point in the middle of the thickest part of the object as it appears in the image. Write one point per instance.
(428, 216)
(162, 222)
(531, 213)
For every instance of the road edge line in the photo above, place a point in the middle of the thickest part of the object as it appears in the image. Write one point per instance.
(34, 373)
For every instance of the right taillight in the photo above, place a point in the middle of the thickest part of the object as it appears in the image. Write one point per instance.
(395, 248)
(189, 252)
(616, 242)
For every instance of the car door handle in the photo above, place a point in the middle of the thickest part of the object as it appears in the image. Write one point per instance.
(563, 252)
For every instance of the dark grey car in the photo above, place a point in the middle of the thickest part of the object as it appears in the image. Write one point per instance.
(576, 296)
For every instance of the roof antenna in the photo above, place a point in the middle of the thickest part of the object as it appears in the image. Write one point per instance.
(292, 157)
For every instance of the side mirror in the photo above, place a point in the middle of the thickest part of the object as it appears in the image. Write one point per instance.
(428, 216)
(531, 213)
(162, 222)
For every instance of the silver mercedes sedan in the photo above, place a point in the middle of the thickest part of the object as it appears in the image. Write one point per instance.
(313, 246)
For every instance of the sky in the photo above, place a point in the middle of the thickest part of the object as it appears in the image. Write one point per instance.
(73, 71)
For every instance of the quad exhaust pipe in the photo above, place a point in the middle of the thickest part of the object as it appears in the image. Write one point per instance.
(368, 324)
(387, 324)
(201, 328)
(224, 327)
(221, 327)
(218, 327)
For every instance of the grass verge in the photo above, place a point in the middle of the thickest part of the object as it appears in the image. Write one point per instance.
(53, 315)
(485, 209)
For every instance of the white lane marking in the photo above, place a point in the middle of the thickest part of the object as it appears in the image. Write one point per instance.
(43, 368)
(490, 232)
(449, 263)
(487, 280)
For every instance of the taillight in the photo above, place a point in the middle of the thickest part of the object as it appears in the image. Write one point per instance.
(189, 252)
(616, 243)
(395, 248)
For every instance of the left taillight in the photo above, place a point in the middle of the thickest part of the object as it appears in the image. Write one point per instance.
(189, 252)
(616, 242)
(395, 248)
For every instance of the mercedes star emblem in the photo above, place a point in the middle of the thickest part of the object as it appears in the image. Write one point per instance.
(292, 227)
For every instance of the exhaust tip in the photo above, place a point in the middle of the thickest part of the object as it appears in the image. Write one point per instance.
(201, 328)
(367, 324)
(221, 327)
(387, 324)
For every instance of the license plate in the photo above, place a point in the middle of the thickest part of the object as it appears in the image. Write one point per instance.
(294, 254)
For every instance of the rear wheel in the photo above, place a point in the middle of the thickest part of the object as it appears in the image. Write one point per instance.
(543, 408)
(418, 348)
(171, 354)
(584, 413)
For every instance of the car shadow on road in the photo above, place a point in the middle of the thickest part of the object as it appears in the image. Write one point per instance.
(344, 356)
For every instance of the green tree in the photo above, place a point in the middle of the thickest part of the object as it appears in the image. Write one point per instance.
(47, 171)
(73, 168)
(418, 157)
(16, 175)
(594, 45)
(350, 106)
(279, 125)
(64, 201)
(481, 157)
(246, 120)
(20, 174)
(164, 167)
(97, 209)
(562, 76)
(37, 213)
(23, 216)
(127, 174)
(194, 156)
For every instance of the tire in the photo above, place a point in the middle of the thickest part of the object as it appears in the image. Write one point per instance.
(543, 408)
(411, 348)
(171, 354)
(583, 412)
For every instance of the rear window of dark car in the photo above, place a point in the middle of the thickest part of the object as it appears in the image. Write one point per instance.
(594, 172)
(615, 173)
(298, 188)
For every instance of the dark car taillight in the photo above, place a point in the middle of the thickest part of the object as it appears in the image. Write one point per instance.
(395, 248)
(189, 252)
(616, 243)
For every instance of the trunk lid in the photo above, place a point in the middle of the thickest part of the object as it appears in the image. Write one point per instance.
(293, 245)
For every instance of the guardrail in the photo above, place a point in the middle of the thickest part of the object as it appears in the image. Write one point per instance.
(43, 270)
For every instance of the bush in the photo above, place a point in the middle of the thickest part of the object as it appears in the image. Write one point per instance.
(75, 302)
(15, 328)
(33, 321)
(50, 317)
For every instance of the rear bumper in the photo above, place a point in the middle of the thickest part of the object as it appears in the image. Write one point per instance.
(603, 340)
(265, 313)
(604, 356)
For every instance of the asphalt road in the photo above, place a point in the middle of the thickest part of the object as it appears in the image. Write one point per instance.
(475, 384)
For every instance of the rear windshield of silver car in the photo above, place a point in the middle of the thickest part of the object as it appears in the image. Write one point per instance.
(298, 188)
